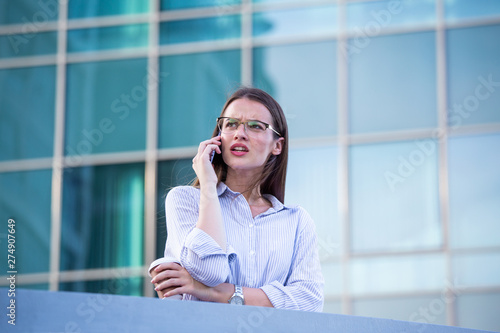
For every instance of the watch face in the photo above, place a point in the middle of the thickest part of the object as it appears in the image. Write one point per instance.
(237, 300)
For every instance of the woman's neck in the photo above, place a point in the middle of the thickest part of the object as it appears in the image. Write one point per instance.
(242, 183)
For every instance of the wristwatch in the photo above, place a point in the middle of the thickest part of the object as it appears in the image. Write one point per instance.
(237, 298)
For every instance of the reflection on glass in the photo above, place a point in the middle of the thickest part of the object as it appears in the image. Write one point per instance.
(85, 8)
(307, 91)
(403, 308)
(126, 36)
(221, 5)
(369, 18)
(479, 311)
(170, 174)
(131, 286)
(295, 22)
(102, 217)
(196, 30)
(456, 10)
(106, 107)
(309, 171)
(393, 83)
(473, 75)
(195, 89)
(474, 186)
(397, 274)
(31, 44)
(25, 198)
(477, 269)
(394, 196)
(32, 13)
(27, 102)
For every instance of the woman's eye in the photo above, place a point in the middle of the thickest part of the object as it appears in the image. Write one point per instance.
(231, 123)
(256, 126)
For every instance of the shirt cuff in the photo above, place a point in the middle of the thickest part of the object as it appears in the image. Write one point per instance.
(278, 296)
(200, 243)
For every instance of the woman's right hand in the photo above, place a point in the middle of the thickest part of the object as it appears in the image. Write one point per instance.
(202, 165)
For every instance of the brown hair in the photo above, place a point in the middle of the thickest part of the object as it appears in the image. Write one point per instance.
(273, 178)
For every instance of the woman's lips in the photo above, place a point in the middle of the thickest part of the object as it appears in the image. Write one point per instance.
(239, 149)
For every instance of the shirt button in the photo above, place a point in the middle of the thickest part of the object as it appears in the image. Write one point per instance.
(252, 252)
(251, 225)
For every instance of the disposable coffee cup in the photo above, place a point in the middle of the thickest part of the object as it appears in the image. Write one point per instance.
(161, 261)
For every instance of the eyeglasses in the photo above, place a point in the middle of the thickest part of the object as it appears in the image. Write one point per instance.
(230, 125)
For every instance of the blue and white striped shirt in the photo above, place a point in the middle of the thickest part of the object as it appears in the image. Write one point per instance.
(276, 251)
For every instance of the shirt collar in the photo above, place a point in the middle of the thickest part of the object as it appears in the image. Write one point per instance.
(276, 204)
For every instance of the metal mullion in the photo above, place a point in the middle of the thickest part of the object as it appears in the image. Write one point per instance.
(57, 167)
(151, 165)
(246, 43)
(343, 159)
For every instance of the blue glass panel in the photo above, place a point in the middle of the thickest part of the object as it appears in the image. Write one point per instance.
(170, 174)
(106, 107)
(397, 274)
(474, 185)
(456, 10)
(430, 309)
(25, 198)
(92, 8)
(321, 166)
(369, 18)
(392, 83)
(296, 22)
(221, 5)
(332, 273)
(477, 269)
(394, 197)
(22, 45)
(303, 79)
(132, 286)
(27, 112)
(103, 217)
(332, 306)
(193, 94)
(212, 28)
(33, 14)
(473, 75)
(479, 311)
(126, 36)
(275, 1)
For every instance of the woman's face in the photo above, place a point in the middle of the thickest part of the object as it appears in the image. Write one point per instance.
(247, 150)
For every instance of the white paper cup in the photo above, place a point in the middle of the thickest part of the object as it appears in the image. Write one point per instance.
(161, 261)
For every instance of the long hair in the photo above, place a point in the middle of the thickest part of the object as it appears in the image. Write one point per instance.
(273, 178)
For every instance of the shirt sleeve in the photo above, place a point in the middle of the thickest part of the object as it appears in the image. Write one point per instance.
(199, 253)
(303, 288)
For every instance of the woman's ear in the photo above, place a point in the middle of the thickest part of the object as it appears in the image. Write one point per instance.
(278, 146)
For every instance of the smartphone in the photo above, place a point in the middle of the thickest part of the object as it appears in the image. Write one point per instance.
(213, 152)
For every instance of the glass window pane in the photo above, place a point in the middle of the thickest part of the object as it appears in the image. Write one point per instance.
(473, 75)
(296, 22)
(397, 274)
(303, 79)
(479, 311)
(332, 306)
(394, 197)
(181, 4)
(332, 273)
(126, 36)
(456, 10)
(429, 309)
(32, 44)
(477, 269)
(131, 286)
(25, 198)
(392, 83)
(321, 164)
(369, 18)
(33, 14)
(27, 124)
(196, 30)
(103, 217)
(85, 8)
(195, 89)
(170, 174)
(474, 185)
(106, 107)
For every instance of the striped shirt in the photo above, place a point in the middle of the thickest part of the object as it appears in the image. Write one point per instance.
(275, 251)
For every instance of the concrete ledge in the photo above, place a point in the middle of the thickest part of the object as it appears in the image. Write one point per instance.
(45, 311)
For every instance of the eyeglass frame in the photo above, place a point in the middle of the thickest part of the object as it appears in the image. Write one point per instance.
(266, 125)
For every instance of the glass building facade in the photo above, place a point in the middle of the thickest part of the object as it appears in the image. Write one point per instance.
(393, 109)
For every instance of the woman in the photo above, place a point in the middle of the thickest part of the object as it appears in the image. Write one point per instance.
(235, 239)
